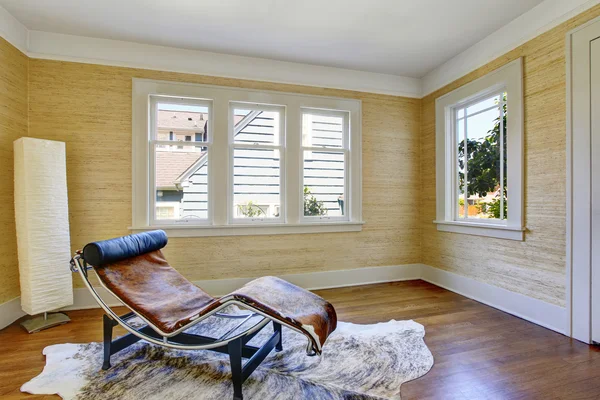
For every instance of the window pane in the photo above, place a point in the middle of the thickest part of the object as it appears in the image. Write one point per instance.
(181, 182)
(483, 178)
(482, 105)
(460, 140)
(182, 123)
(324, 184)
(256, 127)
(322, 130)
(256, 188)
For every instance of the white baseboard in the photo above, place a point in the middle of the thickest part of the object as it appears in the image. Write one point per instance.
(324, 280)
(83, 300)
(10, 312)
(539, 312)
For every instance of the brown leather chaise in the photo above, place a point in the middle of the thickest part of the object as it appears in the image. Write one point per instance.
(134, 270)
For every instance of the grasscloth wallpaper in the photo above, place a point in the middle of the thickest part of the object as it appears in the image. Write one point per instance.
(535, 267)
(89, 107)
(13, 125)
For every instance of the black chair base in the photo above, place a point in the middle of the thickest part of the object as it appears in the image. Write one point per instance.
(237, 349)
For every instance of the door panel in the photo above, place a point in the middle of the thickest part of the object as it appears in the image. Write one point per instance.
(595, 134)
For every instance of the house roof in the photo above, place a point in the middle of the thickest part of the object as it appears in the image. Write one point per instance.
(171, 164)
(175, 166)
(181, 120)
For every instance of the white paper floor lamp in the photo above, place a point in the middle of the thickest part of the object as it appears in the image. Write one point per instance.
(42, 221)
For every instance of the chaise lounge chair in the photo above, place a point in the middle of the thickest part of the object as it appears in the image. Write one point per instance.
(133, 269)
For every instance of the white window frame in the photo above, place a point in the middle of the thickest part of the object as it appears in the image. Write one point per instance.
(509, 79)
(221, 222)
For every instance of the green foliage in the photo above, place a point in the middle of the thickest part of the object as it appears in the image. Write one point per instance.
(493, 208)
(250, 210)
(484, 166)
(312, 207)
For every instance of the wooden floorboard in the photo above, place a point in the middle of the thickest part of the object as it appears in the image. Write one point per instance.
(480, 352)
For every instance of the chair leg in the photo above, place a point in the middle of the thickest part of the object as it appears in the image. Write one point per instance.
(235, 358)
(108, 328)
(277, 328)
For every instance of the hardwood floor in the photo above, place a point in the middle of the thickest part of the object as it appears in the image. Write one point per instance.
(480, 352)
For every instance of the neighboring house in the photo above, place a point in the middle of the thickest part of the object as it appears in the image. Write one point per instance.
(169, 195)
(181, 171)
(173, 161)
(182, 126)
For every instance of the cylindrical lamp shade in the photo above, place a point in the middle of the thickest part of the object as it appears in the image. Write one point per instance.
(42, 221)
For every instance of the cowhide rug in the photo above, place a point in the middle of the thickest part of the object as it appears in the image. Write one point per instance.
(358, 362)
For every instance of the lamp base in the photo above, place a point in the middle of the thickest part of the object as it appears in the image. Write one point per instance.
(44, 321)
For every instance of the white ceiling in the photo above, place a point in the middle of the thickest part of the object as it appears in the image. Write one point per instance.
(399, 37)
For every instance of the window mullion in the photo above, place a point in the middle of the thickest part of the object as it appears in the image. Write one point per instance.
(219, 163)
(152, 183)
(293, 162)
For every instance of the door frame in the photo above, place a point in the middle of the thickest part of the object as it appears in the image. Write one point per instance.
(579, 164)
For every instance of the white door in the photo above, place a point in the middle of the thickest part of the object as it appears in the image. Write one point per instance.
(583, 183)
(595, 128)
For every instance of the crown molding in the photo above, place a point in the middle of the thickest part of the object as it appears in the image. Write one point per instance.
(54, 46)
(13, 31)
(540, 19)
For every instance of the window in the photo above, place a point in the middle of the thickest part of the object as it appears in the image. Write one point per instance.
(479, 151)
(256, 147)
(215, 161)
(479, 131)
(180, 172)
(324, 146)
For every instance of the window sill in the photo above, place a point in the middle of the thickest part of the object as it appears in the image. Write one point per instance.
(249, 230)
(481, 229)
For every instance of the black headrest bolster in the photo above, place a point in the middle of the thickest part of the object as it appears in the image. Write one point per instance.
(113, 250)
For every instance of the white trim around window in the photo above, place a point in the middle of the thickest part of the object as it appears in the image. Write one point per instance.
(507, 79)
(219, 217)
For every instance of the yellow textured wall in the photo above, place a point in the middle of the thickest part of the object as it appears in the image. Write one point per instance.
(89, 107)
(535, 267)
(13, 125)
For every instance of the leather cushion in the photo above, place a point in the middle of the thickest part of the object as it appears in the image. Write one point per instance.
(113, 250)
(289, 304)
(155, 290)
